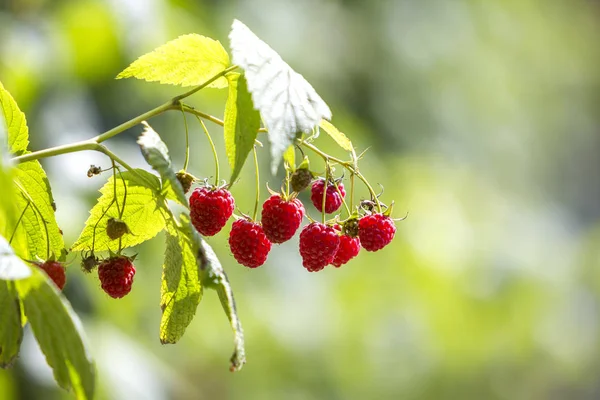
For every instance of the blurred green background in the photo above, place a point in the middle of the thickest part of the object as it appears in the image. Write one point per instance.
(482, 118)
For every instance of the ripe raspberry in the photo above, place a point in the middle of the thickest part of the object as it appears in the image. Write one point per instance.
(280, 218)
(116, 276)
(300, 179)
(248, 243)
(349, 248)
(210, 209)
(318, 245)
(333, 200)
(376, 231)
(56, 272)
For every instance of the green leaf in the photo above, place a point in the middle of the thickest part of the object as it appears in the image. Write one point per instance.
(11, 329)
(339, 137)
(18, 133)
(156, 153)
(214, 277)
(33, 198)
(189, 60)
(143, 212)
(242, 122)
(58, 331)
(181, 290)
(11, 266)
(289, 156)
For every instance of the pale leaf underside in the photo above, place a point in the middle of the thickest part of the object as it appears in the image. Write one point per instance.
(288, 104)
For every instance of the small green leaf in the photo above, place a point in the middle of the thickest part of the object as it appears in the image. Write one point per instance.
(11, 329)
(156, 153)
(18, 133)
(339, 137)
(11, 266)
(33, 196)
(181, 290)
(242, 122)
(289, 156)
(58, 331)
(189, 60)
(214, 277)
(143, 212)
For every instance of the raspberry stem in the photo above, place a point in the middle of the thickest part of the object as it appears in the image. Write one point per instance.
(348, 165)
(214, 150)
(257, 184)
(187, 140)
(18, 222)
(93, 143)
(30, 200)
(324, 201)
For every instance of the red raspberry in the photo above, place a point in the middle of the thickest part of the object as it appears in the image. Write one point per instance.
(116, 276)
(349, 248)
(318, 245)
(375, 231)
(210, 209)
(248, 243)
(56, 272)
(333, 200)
(280, 218)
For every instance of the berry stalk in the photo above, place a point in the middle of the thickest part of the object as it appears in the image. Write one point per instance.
(214, 150)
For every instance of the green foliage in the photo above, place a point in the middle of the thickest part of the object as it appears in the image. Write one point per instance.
(181, 290)
(156, 153)
(213, 276)
(189, 60)
(33, 195)
(18, 133)
(339, 137)
(289, 156)
(57, 330)
(143, 212)
(11, 330)
(288, 104)
(242, 122)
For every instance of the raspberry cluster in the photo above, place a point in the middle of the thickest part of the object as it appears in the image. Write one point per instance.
(334, 243)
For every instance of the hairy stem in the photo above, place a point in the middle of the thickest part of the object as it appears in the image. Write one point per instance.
(214, 150)
(257, 184)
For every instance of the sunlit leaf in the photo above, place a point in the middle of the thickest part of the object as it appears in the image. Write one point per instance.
(287, 102)
(189, 60)
(214, 277)
(143, 213)
(11, 329)
(58, 331)
(156, 153)
(289, 156)
(18, 133)
(33, 198)
(242, 122)
(32, 194)
(339, 137)
(181, 290)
